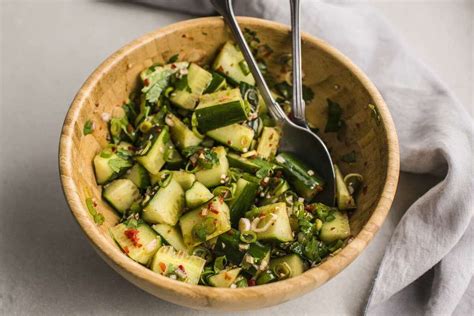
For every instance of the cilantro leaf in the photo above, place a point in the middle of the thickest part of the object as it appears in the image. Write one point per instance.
(173, 59)
(154, 82)
(118, 164)
(334, 122)
(88, 127)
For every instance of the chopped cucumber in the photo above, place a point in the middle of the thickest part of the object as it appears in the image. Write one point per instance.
(212, 177)
(121, 194)
(236, 136)
(244, 197)
(166, 206)
(294, 262)
(154, 159)
(139, 176)
(109, 166)
(195, 82)
(337, 228)
(227, 63)
(181, 135)
(140, 243)
(305, 181)
(268, 143)
(167, 260)
(245, 164)
(220, 109)
(224, 278)
(205, 222)
(280, 229)
(171, 235)
(184, 178)
(197, 195)
(217, 83)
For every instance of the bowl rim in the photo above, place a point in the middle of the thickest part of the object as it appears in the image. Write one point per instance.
(286, 289)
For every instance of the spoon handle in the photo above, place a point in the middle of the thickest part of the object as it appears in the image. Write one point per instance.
(298, 105)
(224, 8)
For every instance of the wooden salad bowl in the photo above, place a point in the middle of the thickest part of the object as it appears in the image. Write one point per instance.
(369, 132)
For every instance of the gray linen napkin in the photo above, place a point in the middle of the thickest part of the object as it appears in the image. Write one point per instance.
(435, 236)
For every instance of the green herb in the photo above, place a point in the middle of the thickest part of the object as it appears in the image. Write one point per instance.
(173, 59)
(165, 178)
(182, 84)
(154, 82)
(203, 252)
(98, 217)
(88, 127)
(350, 157)
(118, 164)
(334, 122)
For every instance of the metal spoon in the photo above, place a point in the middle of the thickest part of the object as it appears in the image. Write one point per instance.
(300, 141)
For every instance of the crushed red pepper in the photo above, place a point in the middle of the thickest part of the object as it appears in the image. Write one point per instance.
(132, 235)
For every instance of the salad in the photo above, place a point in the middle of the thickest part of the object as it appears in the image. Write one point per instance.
(204, 194)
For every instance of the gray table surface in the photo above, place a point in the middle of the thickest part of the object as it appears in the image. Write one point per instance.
(48, 48)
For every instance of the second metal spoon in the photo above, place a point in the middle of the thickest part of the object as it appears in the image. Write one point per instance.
(298, 140)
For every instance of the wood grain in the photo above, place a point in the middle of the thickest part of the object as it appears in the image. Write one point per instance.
(326, 70)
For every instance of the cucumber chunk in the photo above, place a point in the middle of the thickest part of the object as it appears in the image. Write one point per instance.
(139, 176)
(140, 243)
(181, 135)
(166, 206)
(121, 194)
(205, 222)
(217, 83)
(109, 166)
(224, 278)
(294, 262)
(268, 143)
(220, 109)
(245, 164)
(171, 235)
(336, 229)
(184, 178)
(227, 63)
(212, 177)
(154, 159)
(197, 195)
(305, 181)
(280, 229)
(245, 194)
(166, 260)
(197, 81)
(236, 136)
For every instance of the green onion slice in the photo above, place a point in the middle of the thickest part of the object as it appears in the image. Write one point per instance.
(248, 236)
(282, 270)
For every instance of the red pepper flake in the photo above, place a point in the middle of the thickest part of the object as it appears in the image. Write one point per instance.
(181, 267)
(173, 66)
(214, 211)
(146, 82)
(252, 282)
(132, 234)
(278, 174)
(271, 137)
(97, 105)
(221, 197)
(227, 276)
(220, 69)
(126, 250)
(229, 142)
(162, 266)
(129, 128)
(212, 208)
(183, 36)
(113, 149)
(309, 208)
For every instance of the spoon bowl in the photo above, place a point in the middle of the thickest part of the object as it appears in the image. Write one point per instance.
(295, 139)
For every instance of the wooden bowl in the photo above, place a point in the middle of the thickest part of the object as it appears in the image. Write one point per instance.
(370, 132)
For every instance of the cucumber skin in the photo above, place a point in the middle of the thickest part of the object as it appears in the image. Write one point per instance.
(139, 176)
(218, 82)
(154, 160)
(242, 163)
(243, 201)
(227, 244)
(297, 172)
(220, 115)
